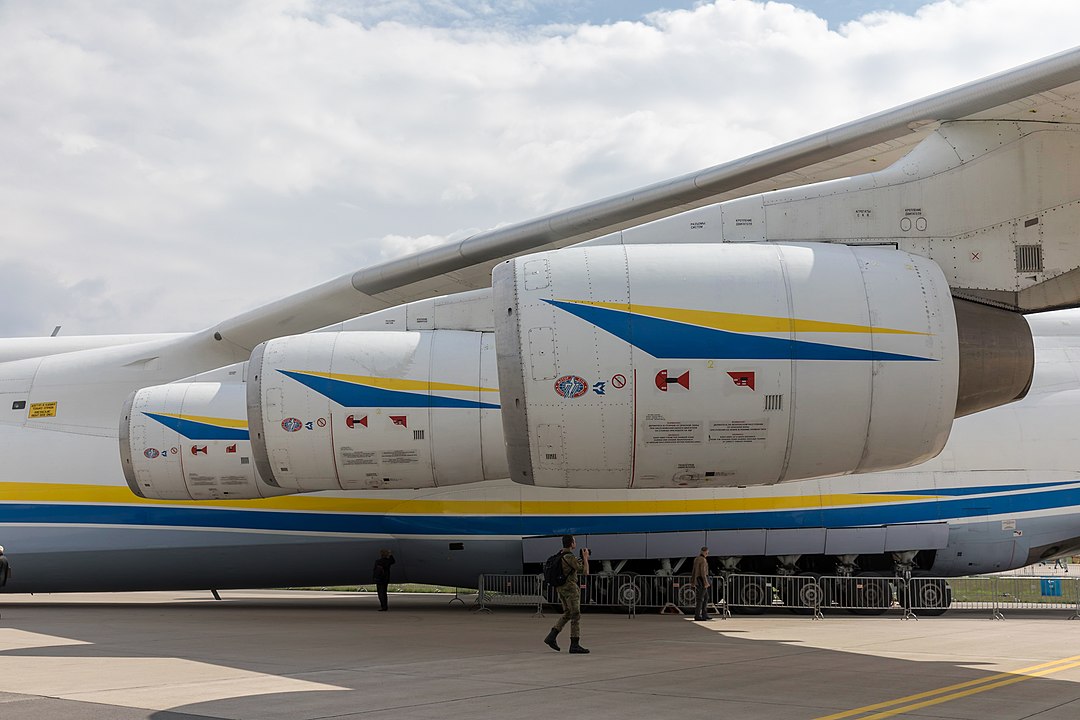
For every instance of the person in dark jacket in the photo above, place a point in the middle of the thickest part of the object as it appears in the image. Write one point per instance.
(381, 575)
(5, 568)
(700, 578)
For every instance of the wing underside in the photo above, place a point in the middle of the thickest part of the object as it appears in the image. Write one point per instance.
(1047, 90)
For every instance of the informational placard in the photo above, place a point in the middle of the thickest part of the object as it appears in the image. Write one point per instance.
(42, 410)
(738, 432)
(658, 430)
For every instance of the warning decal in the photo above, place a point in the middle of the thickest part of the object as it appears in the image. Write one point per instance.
(738, 432)
(400, 457)
(42, 410)
(658, 430)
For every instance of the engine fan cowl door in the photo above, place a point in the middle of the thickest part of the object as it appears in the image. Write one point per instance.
(189, 441)
(721, 365)
(376, 410)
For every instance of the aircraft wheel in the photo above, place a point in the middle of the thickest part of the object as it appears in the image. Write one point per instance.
(749, 594)
(687, 595)
(804, 594)
(930, 597)
(873, 596)
(629, 594)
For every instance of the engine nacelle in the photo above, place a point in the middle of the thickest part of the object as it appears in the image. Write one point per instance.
(720, 365)
(372, 410)
(189, 441)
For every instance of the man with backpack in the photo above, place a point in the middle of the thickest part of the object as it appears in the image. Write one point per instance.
(565, 566)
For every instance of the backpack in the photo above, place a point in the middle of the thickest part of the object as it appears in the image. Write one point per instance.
(555, 571)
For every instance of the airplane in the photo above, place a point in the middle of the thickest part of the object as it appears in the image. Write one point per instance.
(814, 359)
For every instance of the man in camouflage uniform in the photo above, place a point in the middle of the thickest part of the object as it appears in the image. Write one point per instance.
(570, 595)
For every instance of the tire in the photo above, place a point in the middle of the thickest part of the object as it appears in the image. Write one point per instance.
(628, 594)
(804, 594)
(687, 595)
(930, 598)
(873, 595)
(749, 594)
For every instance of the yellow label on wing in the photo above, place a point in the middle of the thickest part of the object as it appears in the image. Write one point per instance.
(42, 410)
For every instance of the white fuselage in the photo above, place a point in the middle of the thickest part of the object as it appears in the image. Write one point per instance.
(1005, 489)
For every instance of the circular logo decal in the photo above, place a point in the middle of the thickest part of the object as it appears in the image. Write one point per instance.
(618, 381)
(291, 424)
(321, 422)
(571, 386)
(150, 453)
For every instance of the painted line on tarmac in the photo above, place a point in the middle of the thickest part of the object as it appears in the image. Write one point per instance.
(953, 692)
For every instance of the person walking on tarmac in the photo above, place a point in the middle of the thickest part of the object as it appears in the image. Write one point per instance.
(5, 568)
(381, 575)
(570, 596)
(700, 578)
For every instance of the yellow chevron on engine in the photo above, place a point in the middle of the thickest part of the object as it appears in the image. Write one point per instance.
(738, 322)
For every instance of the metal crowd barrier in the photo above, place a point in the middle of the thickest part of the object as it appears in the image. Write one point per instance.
(515, 590)
(1016, 592)
(807, 594)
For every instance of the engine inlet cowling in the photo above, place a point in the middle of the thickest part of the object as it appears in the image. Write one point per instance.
(722, 365)
(189, 441)
(376, 410)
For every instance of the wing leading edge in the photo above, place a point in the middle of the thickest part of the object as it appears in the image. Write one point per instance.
(1047, 90)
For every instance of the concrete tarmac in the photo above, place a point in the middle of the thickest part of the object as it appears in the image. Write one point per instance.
(299, 655)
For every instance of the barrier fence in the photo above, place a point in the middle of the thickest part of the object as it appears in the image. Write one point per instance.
(807, 594)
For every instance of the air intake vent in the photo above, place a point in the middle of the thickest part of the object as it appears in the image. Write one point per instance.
(774, 402)
(417, 434)
(1029, 258)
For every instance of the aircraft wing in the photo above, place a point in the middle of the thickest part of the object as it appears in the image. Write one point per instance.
(1045, 90)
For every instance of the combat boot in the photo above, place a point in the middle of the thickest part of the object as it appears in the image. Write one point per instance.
(575, 647)
(550, 640)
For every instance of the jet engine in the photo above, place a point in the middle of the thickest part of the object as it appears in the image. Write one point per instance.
(372, 410)
(657, 366)
(189, 441)
(648, 366)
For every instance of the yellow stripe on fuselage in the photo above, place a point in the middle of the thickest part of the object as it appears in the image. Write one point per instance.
(738, 322)
(120, 495)
(398, 383)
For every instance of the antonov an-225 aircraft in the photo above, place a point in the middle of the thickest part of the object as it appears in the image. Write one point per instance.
(747, 357)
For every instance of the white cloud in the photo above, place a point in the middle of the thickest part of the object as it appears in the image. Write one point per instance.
(165, 165)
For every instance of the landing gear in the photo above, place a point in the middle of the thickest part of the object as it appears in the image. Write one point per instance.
(800, 591)
(926, 596)
(872, 594)
(687, 595)
(628, 594)
(804, 595)
(749, 594)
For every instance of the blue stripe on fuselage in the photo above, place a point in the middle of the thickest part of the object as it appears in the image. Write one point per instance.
(480, 525)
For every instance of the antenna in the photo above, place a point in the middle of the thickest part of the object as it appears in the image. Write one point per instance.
(55, 331)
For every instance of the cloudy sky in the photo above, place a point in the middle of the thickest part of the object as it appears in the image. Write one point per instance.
(166, 165)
